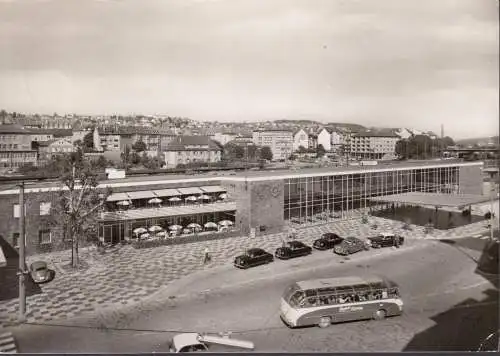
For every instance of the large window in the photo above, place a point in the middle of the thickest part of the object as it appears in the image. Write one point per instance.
(44, 237)
(316, 199)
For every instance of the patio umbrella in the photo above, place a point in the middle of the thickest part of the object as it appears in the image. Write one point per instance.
(225, 223)
(154, 201)
(139, 230)
(123, 203)
(175, 199)
(223, 196)
(194, 226)
(155, 228)
(210, 225)
(191, 198)
(203, 197)
(145, 236)
(175, 227)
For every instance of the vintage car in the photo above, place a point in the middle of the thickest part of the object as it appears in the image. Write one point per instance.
(194, 342)
(253, 257)
(40, 272)
(292, 249)
(386, 240)
(350, 245)
(327, 241)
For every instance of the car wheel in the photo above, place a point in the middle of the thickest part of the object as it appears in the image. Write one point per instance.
(379, 314)
(324, 322)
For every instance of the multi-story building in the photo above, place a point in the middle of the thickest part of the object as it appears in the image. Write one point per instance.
(372, 145)
(16, 148)
(325, 138)
(223, 137)
(280, 142)
(190, 149)
(255, 202)
(48, 149)
(300, 138)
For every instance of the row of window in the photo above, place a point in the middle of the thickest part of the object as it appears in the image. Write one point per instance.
(44, 209)
(44, 238)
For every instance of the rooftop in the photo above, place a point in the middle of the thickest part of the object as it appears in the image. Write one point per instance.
(217, 177)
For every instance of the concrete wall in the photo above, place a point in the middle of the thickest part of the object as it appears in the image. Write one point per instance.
(470, 180)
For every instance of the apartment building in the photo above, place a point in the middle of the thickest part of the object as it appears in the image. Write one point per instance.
(190, 149)
(300, 138)
(280, 141)
(372, 145)
(15, 147)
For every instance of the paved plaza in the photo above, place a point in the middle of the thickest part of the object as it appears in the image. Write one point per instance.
(126, 276)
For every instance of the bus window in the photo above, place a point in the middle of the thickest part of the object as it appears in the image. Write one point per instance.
(393, 293)
(297, 299)
(290, 291)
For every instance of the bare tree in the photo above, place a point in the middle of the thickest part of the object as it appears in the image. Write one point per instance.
(78, 203)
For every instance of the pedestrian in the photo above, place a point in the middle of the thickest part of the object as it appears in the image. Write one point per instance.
(206, 256)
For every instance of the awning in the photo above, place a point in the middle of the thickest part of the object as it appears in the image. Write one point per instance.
(213, 189)
(142, 194)
(167, 192)
(164, 212)
(433, 199)
(190, 190)
(118, 197)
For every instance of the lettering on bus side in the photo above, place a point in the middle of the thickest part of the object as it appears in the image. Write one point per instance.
(350, 309)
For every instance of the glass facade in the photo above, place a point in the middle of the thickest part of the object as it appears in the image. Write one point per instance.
(315, 199)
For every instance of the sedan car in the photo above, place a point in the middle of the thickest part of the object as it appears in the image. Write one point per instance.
(292, 249)
(327, 241)
(253, 257)
(386, 240)
(350, 245)
(40, 272)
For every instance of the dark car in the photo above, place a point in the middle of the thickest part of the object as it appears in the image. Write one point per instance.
(327, 241)
(349, 246)
(253, 257)
(292, 249)
(40, 272)
(386, 240)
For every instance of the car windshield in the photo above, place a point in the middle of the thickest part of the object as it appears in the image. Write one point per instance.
(297, 299)
(289, 291)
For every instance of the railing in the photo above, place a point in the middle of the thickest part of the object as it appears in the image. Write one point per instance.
(184, 239)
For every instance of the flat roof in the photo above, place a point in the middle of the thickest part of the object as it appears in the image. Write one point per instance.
(209, 179)
(169, 211)
(338, 282)
(433, 199)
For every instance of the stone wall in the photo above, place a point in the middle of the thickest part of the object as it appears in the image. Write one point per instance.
(470, 180)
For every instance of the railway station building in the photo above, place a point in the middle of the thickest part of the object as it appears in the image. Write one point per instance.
(251, 203)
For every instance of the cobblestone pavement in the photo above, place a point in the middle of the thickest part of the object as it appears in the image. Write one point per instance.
(126, 275)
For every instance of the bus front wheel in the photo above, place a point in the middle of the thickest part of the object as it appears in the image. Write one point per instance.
(324, 322)
(379, 314)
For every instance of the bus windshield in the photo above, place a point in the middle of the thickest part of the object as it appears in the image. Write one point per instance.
(290, 291)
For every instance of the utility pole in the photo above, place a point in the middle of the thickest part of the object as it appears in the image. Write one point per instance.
(22, 258)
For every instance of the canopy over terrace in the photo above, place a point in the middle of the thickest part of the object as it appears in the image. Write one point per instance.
(433, 199)
(164, 212)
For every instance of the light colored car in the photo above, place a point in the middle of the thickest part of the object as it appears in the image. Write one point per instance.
(40, 272)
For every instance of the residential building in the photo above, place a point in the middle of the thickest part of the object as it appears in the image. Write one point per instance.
(16, 147)
(190, 149)
(280, 142)
(223, 137)
(312, 143)
(255, 202)
(373, 145)
(48, 149)
(300, 138)
(325, 138)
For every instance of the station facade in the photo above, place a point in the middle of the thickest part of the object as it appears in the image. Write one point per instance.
(255, 202)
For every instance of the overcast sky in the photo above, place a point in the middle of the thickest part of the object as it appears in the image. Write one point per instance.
(391, 63)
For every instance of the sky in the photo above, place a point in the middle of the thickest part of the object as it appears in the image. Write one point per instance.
(386, 63)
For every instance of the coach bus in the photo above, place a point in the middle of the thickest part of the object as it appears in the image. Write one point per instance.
(324, 301)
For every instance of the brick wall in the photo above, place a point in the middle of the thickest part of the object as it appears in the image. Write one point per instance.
(470, 180)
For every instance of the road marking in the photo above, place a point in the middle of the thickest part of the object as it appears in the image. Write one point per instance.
(7, 343)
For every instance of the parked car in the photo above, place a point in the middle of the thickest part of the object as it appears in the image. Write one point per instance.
(350, 245)
(292, 249)
(386, 240)
(40, 272)
(327, 241)
(253, 257)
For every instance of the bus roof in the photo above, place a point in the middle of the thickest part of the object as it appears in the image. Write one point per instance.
(339, 281)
